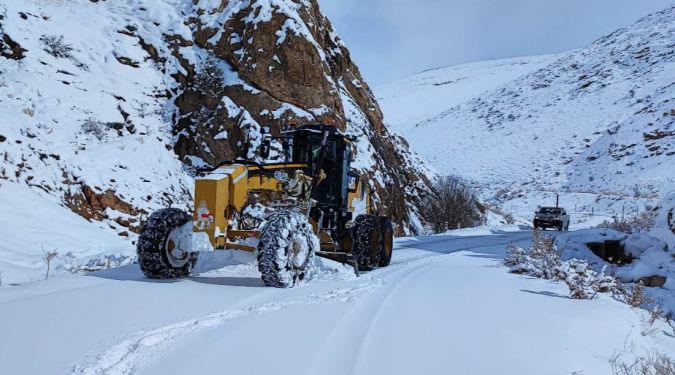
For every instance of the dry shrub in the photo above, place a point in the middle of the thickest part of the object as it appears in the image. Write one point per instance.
(633, 224)
(55, 46)
(48, 257)
(651, 364)
(542, 260)
(209, 79)
(452, 206)
(637, 295)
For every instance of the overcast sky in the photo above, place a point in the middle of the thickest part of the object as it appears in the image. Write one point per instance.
(391, 39)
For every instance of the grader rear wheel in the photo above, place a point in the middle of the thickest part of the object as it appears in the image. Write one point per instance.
(286, 250)
(366, 242)
(387, 243)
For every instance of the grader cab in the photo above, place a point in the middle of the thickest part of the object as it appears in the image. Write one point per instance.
(312, 204)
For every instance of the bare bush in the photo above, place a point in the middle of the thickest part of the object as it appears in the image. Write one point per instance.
(453, 206)
(654, 314)
(651, 364)
(209, 79)
(94, 127)
(636, 296)
(637, 191)
(634, 224)
(55, 46)
(48, 257)
(542, 259)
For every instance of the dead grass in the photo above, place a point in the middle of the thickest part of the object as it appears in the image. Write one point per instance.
(651, 364)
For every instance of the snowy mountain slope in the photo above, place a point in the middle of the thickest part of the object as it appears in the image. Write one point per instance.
(426, 95)
(104, 106)
(596, 119)
(446, 305)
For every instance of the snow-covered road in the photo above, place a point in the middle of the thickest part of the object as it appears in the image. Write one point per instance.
(446, 305)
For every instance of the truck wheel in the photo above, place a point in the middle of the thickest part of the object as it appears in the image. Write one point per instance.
(286, 250)
(387, 243)
(159, 252)
(366, 239)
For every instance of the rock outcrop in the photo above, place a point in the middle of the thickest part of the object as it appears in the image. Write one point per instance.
(266, 64)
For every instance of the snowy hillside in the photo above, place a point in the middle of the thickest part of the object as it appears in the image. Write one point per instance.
(418, 99)
(84, 132)
(596, 120)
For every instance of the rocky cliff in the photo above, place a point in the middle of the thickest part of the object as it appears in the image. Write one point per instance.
(282, 62)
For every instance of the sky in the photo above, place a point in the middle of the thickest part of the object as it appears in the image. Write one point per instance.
(392, 39)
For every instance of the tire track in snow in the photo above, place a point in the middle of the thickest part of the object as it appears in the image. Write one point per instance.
(414, 265)
(354, 314)
(124, 357)
(367, 338)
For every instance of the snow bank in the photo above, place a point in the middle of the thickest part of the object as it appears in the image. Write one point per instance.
(238, 263)
(32, 222)
(573, 245)
(638, 244)
(654, 258)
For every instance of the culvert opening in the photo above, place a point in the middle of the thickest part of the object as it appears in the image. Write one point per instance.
(611, 251)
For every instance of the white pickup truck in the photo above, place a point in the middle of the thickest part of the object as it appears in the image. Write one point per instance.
(552, 217)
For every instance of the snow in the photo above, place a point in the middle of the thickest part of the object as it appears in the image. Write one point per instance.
(410, 101)
(441, 295)
(36, 225)
(637, 244)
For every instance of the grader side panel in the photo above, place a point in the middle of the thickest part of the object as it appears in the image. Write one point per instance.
(221, 194)
(211, 203)
(239, 188)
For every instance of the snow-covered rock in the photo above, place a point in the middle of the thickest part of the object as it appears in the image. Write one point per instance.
(638, 244)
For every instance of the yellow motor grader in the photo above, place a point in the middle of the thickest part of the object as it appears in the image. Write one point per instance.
(286, 212)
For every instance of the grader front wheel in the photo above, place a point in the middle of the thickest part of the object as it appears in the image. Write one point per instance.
(159, 252)
(286, 250)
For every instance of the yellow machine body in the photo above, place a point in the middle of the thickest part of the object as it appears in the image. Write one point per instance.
(226, 191)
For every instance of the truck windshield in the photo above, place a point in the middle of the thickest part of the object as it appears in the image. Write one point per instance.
(549, 211)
